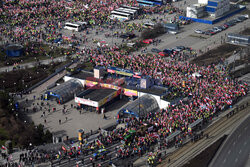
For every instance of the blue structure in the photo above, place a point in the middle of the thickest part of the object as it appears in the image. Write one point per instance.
(14, 50)
(215, 20)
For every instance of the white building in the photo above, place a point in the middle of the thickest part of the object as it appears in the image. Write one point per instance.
(196, 10)
(214, 8)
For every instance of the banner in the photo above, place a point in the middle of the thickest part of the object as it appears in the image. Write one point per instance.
(86, 102)
(120, 71)
(108, 98)
(130, 92)
(90, 83)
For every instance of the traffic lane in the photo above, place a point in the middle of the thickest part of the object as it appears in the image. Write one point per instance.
(236, 149)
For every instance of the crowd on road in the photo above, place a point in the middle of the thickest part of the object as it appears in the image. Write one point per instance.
(42, 20)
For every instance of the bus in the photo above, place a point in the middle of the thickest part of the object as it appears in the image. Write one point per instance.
(75, 26)
(132, 12)
(130, 7)
(145, 3)
(156, 2)
(121, 16)
(139, 10)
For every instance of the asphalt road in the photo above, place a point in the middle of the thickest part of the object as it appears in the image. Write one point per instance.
(236, 151)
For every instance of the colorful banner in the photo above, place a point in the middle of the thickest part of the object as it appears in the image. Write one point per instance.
(109, 98)
(120, 71)
(90, 83)
(130, 92)
(104, 85)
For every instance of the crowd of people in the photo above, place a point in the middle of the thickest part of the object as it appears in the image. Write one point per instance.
(206, 95)
(42, 20)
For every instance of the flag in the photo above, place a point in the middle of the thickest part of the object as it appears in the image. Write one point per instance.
(3, 147)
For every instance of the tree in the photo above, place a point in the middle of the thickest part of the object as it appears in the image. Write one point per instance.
(153, 33)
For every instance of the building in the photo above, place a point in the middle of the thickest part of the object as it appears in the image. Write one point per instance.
(140, 107)
(216, 8)
(65, 91)
(213, 8)
(97, 96)
(196, 11)
(238, 39)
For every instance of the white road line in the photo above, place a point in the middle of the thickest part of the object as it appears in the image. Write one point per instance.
(236, 159)
(224, 160)
(229, 152)
(239, 151)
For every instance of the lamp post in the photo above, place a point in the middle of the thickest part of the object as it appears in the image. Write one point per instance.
(3, 83)
(15, 86)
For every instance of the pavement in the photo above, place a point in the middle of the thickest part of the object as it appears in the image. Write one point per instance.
(235, 151)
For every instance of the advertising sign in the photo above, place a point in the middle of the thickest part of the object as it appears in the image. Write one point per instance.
(130, 92)
(90, 83)
(108, 98)
(86, 102)
(120, 71)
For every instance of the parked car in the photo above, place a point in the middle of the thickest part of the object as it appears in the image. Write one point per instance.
(233, 22)
(242, 18)
(217, 29)
(210, 32)
(168, 51)
(246, 16)
(179, 48)
(164, 54)
(127, 36)
(155, 50)
(230, 24)
(147, 41)
(222, 27)
(198, 31)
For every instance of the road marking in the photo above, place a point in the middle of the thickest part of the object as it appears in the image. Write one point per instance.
(239, 151)
(234, 143)
(236, 159)
(229, 152)
(224, 160)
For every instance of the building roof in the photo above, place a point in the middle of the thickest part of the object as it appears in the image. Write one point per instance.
(83, 75)
(96, 93)
(141, 106)
(67, 90)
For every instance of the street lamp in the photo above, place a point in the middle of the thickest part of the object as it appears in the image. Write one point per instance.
(15, 86)
(3, 83)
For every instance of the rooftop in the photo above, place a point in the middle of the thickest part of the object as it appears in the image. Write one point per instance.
(83, 75)
(96, 93)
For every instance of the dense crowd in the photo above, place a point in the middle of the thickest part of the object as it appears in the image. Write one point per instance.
(42, 20)
(206, 95)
